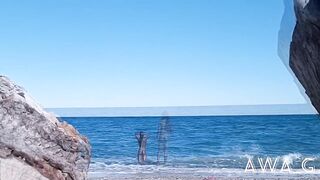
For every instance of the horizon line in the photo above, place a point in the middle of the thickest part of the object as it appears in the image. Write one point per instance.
(176, 106)
(226, 110)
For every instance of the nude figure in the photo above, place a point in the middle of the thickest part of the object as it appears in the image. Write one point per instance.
(164, 131)
(142, 141)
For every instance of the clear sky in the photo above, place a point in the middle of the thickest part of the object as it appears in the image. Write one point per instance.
(122, 53)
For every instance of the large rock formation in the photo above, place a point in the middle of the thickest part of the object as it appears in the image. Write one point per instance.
(287, 25)
(35, 144)
(305, 48)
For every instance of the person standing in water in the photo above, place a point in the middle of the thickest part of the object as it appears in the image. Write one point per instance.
(164, 131)
(142, 141)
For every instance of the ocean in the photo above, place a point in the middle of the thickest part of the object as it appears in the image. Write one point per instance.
(208, 142)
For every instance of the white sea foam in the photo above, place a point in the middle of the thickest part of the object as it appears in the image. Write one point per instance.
(289, 158)
(155, 172)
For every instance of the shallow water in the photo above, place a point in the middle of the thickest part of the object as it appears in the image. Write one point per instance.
(204, 142)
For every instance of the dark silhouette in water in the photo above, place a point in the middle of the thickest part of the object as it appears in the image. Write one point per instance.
(142, 141)
(164, 131)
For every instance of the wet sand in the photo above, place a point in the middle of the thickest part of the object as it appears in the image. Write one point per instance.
(200, 174)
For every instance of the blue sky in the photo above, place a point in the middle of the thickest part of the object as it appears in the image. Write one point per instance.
(123, 53)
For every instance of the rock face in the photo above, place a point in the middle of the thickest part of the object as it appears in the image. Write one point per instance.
(305, 48)
(287, 26)
(35, 144)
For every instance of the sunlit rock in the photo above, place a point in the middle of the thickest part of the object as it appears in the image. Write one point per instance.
(34, 144)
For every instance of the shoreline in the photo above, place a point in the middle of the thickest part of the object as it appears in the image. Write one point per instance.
(117, 172)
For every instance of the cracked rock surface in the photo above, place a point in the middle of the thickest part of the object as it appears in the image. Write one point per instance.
(305, 48)
(34, 140)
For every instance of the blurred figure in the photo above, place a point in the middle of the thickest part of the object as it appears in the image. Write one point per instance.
(164, 131)
(142, 141)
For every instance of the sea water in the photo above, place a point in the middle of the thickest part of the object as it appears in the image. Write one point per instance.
(211, 142)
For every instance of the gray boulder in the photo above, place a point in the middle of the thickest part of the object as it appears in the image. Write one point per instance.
(34, 144)
(305, 48)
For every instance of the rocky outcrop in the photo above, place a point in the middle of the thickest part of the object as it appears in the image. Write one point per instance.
(287, 25)
(305, 48)
(34, 144)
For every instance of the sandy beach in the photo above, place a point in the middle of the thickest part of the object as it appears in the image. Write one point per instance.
(164, 173)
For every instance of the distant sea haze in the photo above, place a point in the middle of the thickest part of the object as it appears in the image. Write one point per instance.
(279, 109)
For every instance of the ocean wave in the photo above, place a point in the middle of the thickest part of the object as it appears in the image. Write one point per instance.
(219, 162)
